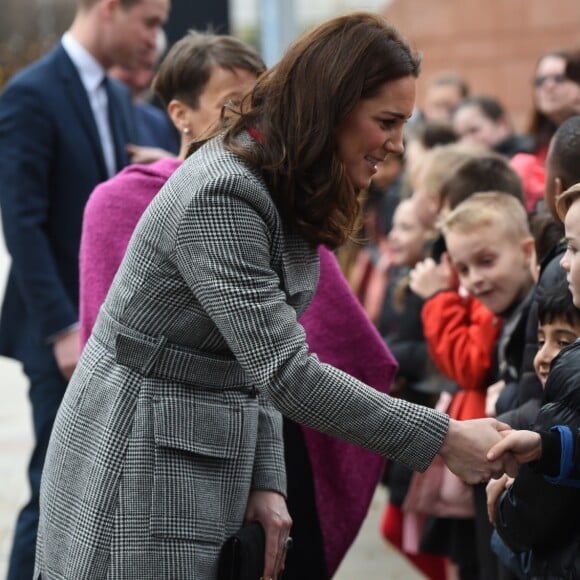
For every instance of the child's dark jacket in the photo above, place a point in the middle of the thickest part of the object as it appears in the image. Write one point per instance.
(535, 513)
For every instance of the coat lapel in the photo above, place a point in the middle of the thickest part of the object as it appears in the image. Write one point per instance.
(75, 93)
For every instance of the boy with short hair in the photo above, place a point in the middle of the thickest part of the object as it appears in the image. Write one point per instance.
(490, 244)
(540, 513)
(562, 171)
(491, 248)
(558, 327)
(556, 451)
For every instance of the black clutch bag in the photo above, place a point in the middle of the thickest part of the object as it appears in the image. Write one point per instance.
(242, 555)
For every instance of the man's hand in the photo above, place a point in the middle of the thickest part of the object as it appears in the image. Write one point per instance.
(142, 154)
(269, 508)
(67, 351)
(465, 449)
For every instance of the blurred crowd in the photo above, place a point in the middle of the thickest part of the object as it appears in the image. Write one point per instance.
(459, 264)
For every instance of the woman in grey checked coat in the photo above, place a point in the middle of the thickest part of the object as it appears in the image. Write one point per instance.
(169, 435)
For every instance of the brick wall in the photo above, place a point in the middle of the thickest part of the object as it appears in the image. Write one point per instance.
(493, 44)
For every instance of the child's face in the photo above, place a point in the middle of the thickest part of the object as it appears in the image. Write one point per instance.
(474, 128)
(492, 266)
(552, 338)
(571, 259)
(407, 237)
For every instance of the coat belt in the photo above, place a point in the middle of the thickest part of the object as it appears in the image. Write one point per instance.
(157, 357)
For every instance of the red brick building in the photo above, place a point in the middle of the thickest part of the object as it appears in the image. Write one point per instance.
(493, 44)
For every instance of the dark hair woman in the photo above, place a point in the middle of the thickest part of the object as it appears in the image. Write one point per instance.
(169, 435)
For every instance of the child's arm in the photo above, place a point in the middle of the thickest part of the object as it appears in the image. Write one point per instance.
(560, 455)
(460, 332)
(534, 513)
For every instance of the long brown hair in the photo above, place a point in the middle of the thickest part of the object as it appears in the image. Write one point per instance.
(297, 107)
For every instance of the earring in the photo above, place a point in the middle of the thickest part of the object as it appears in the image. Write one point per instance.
(186, 131)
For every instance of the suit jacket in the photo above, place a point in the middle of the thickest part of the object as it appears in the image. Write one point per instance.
(154, 128)
(51, 160)
(172, 415)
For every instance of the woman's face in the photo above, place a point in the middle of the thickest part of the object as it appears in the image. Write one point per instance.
(555, 95)
(223, 85)
(374, 129)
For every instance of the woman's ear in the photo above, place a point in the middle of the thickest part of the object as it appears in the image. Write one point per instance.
(177, 112)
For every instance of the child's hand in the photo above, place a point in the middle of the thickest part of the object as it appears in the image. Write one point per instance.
(427, 277)
(491, 396)
(494, 489)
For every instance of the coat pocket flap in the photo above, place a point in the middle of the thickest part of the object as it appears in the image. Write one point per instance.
(197, 427)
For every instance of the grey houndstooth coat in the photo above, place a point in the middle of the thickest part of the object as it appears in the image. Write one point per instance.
(171, 417)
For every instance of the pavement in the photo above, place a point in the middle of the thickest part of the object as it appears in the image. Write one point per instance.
(369, 558)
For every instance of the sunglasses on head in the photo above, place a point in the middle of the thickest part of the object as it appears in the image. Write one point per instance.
(557, 79)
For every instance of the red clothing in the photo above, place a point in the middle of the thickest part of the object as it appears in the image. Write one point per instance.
(461, 334)
(532, 172)
(433, 567)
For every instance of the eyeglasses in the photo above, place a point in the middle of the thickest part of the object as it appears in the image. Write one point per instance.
(556, 79)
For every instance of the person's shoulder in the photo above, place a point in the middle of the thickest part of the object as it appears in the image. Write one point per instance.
(214, 163)
(36, 74)
(215, 175)
(551, 271)
(149, 111)
(562, 383)
(132, 187)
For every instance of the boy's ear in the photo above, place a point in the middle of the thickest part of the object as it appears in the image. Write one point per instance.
(529, 248)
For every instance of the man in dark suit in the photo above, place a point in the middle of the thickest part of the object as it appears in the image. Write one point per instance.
(64, 127)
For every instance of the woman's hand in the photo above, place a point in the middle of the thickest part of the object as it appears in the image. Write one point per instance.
(465, 449)
(269, 508)
(67, 351)
(494, 489)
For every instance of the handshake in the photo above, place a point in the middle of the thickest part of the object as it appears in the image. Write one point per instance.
(480, 449)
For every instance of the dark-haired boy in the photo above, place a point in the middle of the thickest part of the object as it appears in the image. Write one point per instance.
(538, 514)
(562, 171)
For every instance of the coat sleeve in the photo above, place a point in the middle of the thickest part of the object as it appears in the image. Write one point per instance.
(461, 335)
(560, 460)
(224, 254)
(27, 142)
(269, 464)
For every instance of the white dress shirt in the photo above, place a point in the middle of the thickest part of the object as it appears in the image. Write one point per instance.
(92, 76)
